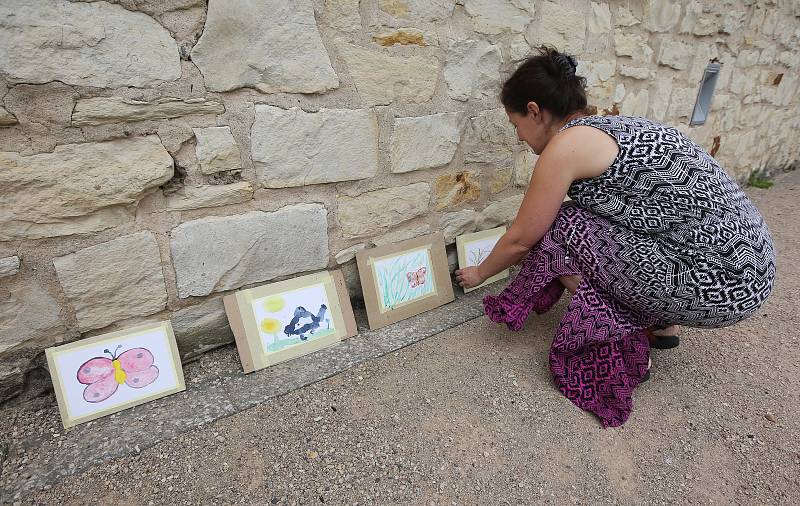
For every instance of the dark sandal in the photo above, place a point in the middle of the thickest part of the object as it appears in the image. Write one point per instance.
(647, 373)
(662, 342)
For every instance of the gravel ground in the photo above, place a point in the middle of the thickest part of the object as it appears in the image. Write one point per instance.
(470, 416)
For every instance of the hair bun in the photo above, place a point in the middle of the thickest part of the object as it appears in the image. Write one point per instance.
(567, 64)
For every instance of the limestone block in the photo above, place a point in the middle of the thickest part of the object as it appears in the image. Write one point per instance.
(369, 213)
(201, 328)
(790, 59)
(659, 100)
(197, 197)
(402, 36)
(675, 54)
(6, 118)
(102, 110)
(348, 254)
(456, 189)
(642, 73)
(216, 150)
(661, 15)
(270, 45)
(12, 382)
(518, 49)
(84, 44)
(500, 179)
(698, 22)
(401, 235)
(703, 54)
(343, 15)
(625, 17)
(458, 223)
(491, 138)
(732, 21)
(502, 212)
(524, 163)
(787, 90)
(496, 16)
(598, 28)
(418, 10)
(636, 103)
(560, 26)
(382, 78)
(424, 142)
(291, 147)
(472, 69)
(29, 316)
(682, 102)
(747, 58)
(633, 45)
(9, 266)
(78, 188)
(596, 73)
(227, 252)
(114, 280)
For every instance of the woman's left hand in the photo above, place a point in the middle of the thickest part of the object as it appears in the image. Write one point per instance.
(469, 277)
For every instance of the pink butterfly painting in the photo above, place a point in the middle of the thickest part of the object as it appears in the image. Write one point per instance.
(104, 375)
(417, 278)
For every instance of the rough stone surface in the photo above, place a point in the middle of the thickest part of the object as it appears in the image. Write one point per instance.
(682, 102)
(201, 328)
(348, 254)
(382, 78)
(660, 99)
(626, 17)
(698, 22)
(642, 73)
(225, 253)
(216, 150)
(12, 383)
(27, 312)
(418, 10)
(424, 142)
(291, 147)
(496, 16)
(675, 54)
(633, 45)
(491, 138)
(102, 110)
(502, 212)
(524, 162)
(6, 118)
(271, 45)
(82, 44)
(197, 197)
(78, 188)
(368, 213)
(598, 28)
(9, 266)
(402, 234)
(636, 103)
(113, 280)
(500, 179)
(596, 73)
(459, 222)
(559, 26)
(661, 15)
(343, 15)
(403, 37)
(456, 189)
(472, 69)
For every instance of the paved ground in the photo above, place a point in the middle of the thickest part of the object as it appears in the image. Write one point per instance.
(470, 416)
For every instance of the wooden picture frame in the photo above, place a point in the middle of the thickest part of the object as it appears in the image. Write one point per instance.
(104, 374)
(470, 245)
(404, 279)
(259, 315)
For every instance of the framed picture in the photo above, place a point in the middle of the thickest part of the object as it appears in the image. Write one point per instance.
(100, 375)
(404, 279)
(285, 320)
(474, 248)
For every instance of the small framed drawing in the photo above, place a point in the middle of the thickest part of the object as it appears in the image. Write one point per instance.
(474, 248)
(100, 375)
(404, 279)
(285, 320)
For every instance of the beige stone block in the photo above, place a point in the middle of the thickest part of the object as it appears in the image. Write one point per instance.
(216, 150)
(78, 188)
(348, 254)
(500, 179)
(402, 234)
(636, 103)
(497, 16)
(633, 45)
(9, 266)
(472, 69)
(418, 10)
(402, 36)
(661, 15)
(424, 142)
(103, 110)
(198, 197)
(342, 15)
(458, 223)
(455, 189)
(368, 213)
(559, 26)
(113, 280)
(524, 163)
(490, 138)
(598, 28)
(502, 212)
(642, 73)
(626, 17)
(6, 118)
(675, 54)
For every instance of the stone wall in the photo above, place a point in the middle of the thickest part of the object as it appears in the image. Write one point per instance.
(155, 154)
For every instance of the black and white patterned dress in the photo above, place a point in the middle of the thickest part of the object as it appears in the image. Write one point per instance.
(664, 236)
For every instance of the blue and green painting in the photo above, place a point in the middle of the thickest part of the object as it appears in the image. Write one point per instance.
(404, 278)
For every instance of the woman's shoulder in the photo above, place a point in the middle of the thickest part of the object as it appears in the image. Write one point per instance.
(589, 151)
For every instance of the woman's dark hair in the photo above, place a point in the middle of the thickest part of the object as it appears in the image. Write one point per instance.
(548, 79)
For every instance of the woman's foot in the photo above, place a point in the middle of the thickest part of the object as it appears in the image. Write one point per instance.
(663, 338)
(570, 282)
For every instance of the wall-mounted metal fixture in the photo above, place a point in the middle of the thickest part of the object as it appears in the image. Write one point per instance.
(703, 103)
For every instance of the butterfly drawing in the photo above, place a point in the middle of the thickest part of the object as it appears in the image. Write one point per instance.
(417, 278)
(104, 375)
